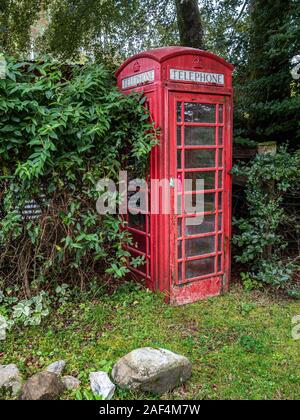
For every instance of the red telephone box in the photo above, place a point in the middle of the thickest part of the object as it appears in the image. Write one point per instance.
(189, 95)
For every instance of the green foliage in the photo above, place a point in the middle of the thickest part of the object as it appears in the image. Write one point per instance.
(260, 237)
(32, 311)
(16, 18)
(226, 25)
(107, 28)
(274, 273)
(240, 344)
(86, 395)
(63, 292)
(61, 130)
(267, 97)
(248, 282)
(110, 30)
(250, 344)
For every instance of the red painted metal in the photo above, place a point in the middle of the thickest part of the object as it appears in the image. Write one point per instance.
(176, 262)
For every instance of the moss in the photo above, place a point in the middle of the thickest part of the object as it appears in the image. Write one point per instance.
(240, 344)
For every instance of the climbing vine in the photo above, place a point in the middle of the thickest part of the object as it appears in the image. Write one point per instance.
(260, 236)
(61, 130)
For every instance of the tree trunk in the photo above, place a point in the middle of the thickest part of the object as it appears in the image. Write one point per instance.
(190, 23)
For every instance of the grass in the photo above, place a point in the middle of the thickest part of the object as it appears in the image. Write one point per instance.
(240, 345)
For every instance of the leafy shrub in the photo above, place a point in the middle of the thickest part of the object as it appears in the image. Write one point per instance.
(61, 130)
(32, 311)
(249, 282)
(260, 237)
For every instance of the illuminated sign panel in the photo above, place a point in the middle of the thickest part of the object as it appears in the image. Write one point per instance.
(197, 77)
(138, 79)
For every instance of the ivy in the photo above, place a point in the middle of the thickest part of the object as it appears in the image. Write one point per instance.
(61, 130)
(260, 236)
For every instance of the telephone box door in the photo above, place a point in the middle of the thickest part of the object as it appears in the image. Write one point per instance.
(200, 162)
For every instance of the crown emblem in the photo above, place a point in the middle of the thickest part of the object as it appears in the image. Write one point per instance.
(136, 67)
(197, 62)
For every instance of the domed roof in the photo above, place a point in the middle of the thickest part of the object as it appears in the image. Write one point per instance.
(162, 54)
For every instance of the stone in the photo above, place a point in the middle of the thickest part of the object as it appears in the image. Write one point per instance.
(101, 385)
(56, 367)
(10, 378)
(70, 382)
(3, 328)
(43, 386)
(151, 370)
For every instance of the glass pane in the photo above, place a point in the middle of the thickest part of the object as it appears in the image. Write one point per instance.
(179, 182)
(220, 222)
(179, 252)
(194, 203)
(209, 202)
(179, 159)
(200, 136)
(220, 158)
(220, 136)
(137, 203)
(220, 243)
(179, 136)
(219, 263)
(137, 221)
(179, 227)
(220, 180)
(138, 241)
(179, 107)
(200, 158)
(221, 109)
(179, 204)
(207, 226)
(199, 113)
(199, 268)
(199, 246)
(209, 179)
(193, 200)
(180, 272)
(220, 201)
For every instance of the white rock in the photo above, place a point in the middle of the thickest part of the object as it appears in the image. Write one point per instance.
(3, 328)
(151, 370)
(10, 378)
(70, 382)
(101, 385)
(56, 367)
